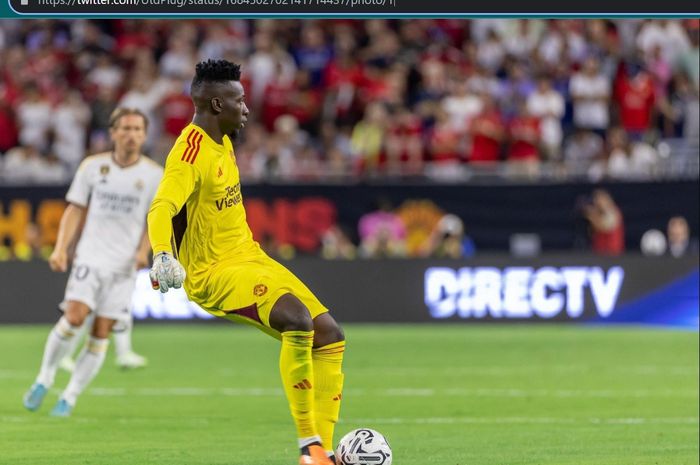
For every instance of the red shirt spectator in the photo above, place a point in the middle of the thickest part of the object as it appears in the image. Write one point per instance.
(454, 29)
(8, 130)
(607, 225)
(444, 143)
(610, 242)
(342, 77)
(636, 98)
(305, 104)
(404, 142)
(525, 137)
(10, 93)
(177, 113)
(132, 35)
(374, 87)
(487, 130)
(342, 71)
(276, 100)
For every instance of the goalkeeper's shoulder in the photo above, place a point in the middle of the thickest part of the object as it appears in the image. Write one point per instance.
(189, 156)
(190, 147)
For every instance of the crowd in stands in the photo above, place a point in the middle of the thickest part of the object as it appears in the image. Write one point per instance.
(591, 98)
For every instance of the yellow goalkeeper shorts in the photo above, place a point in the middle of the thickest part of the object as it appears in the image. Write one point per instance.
(246, 291)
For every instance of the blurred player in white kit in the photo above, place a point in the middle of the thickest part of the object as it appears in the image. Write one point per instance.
(111, 193)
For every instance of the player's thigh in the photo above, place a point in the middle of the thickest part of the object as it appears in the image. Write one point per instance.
(288, 282)
(81, 295)
(114, 301)
(247, 292)
(303, 292)
(242, 288)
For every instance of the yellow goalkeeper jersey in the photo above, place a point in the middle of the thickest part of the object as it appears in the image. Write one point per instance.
(198, 211)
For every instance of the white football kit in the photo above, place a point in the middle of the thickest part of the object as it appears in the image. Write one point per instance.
(117, 199)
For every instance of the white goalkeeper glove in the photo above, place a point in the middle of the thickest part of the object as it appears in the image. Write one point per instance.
(166, 272)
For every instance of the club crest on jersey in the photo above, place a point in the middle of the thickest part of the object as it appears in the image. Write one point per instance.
(220, 173)
(139, 185)
(259, 290)
(104, 171)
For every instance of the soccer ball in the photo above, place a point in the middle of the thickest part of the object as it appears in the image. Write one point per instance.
(363, 446)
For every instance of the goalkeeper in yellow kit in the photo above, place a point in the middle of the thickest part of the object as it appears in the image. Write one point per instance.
(200, 238)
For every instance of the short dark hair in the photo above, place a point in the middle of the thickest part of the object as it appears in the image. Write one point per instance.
(119, 112)
(216, 71)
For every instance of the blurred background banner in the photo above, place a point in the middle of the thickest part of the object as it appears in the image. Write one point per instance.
(561, 288)
(300, 215)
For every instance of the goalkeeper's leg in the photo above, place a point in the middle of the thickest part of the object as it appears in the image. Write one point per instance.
(292, 319)
(327, 356)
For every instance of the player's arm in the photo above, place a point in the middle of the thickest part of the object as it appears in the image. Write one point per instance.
(180, 179)
(71, 221)
(78, 197)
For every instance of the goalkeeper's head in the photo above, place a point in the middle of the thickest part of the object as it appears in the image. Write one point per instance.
(218, 95)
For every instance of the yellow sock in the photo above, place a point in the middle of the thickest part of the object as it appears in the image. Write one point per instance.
(328, 361)
(297, 373)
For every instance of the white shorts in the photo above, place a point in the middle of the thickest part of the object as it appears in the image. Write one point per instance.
(107, 294)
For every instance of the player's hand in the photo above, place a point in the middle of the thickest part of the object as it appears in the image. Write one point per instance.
(166, 272)
(58, 261)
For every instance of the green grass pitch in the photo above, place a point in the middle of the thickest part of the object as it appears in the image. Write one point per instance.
(442, 394)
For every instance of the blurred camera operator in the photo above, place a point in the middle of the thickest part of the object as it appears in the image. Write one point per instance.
(606, 224)
(448, 240)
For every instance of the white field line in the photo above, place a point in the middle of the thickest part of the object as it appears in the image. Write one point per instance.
(650, 370)
(661, 370)
(17, 374)
(523, 420)
(645, 370)
(203, 421)
(397, 392)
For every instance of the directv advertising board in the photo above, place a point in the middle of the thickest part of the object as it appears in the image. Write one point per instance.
(561, 288)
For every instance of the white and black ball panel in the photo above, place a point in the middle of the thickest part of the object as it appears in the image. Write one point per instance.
(363, 446)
